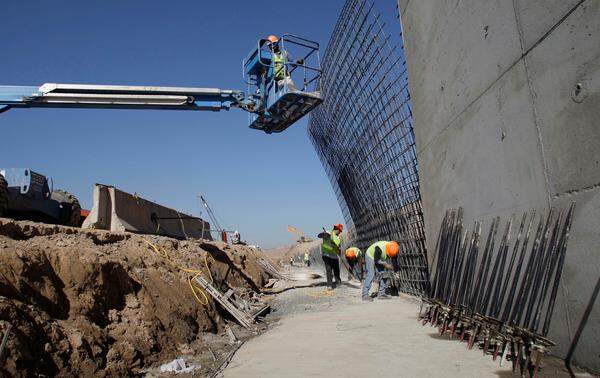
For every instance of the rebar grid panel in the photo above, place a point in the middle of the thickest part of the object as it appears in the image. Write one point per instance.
(363, 134)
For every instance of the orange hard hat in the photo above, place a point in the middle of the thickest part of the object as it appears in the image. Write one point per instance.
(338, 227)
(391, 249)
(350, 253)
(272, 39)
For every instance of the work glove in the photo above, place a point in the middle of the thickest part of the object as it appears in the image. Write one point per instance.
(387, 266)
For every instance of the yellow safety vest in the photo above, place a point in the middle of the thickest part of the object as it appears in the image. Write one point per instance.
(331, 246)
(371, 250)
(278, 66)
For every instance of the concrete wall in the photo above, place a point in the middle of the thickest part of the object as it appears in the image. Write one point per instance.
(501, 126)
(119, 211)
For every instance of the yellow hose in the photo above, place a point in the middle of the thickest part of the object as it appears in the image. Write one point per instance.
(193, 272)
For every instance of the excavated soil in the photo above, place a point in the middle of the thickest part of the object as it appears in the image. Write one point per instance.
(85, 303)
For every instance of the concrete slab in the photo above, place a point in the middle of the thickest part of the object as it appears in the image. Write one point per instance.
(340, 336)
(550, 153)
(455, 50)
(485, 158)
(537, 17)
(568, 121)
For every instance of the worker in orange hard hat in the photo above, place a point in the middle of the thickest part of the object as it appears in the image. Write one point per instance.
(330, 250)
(279, 58)
(377, 258)
(353, 256)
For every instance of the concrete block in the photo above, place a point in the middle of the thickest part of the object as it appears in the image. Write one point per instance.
(486, 161)
(537, 17)
(455, 50)
(119, 211)
(568, 118)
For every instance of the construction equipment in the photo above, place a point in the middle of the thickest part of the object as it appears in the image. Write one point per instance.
(273, 105)
(235, 237)
(482, 305)
(302, 238)
(27, 194)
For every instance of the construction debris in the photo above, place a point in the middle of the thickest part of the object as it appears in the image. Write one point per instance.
(178, 365)
(482, 305)
(227, 303)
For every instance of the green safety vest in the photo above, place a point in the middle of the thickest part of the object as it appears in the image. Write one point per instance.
(357, 251)
(371, 250)
(278, 66)
(331, 246)
(306, 257)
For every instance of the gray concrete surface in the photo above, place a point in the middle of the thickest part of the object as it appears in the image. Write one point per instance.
(333, 334)
(501, 127)
(118, 211)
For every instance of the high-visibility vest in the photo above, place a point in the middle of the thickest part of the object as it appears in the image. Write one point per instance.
(371, 250)
(331, 246)
(306, 256)
(278, 66)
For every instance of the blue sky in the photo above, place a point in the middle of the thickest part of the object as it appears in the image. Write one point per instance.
(256, 183)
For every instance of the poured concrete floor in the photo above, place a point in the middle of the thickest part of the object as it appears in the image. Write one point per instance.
(334, 334)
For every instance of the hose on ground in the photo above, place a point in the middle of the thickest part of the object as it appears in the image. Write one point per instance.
(193, 272)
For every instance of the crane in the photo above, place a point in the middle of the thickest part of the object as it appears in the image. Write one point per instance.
(273, 105)
(301, 237)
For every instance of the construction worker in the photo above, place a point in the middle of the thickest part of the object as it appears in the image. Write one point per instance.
(280, 70)
(330, 250)
(306, 259)
(292, 261)
(377, 259)
(353, 256)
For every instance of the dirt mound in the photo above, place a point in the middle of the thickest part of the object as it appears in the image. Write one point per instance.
(94, 303)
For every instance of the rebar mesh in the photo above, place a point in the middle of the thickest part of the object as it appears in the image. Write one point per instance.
(363, 134)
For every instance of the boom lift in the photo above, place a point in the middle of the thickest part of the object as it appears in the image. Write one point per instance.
(273, 105)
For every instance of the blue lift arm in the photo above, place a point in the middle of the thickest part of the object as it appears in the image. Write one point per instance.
(273, 106)
(52, 95)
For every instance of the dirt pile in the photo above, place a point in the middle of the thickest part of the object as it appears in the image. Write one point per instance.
(88, 303)
(281, 255)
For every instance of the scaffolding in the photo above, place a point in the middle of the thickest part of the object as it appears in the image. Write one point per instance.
(363, 134)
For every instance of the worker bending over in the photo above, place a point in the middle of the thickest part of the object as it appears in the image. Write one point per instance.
(377, 259)
(353, 256)
(330, 250)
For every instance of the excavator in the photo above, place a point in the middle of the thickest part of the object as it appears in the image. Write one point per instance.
(273, 104)
(274, 101)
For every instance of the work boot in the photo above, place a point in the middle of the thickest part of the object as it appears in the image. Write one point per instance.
(383, 296)
(367, 299)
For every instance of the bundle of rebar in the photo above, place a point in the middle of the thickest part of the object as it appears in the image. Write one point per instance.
(499, 295)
